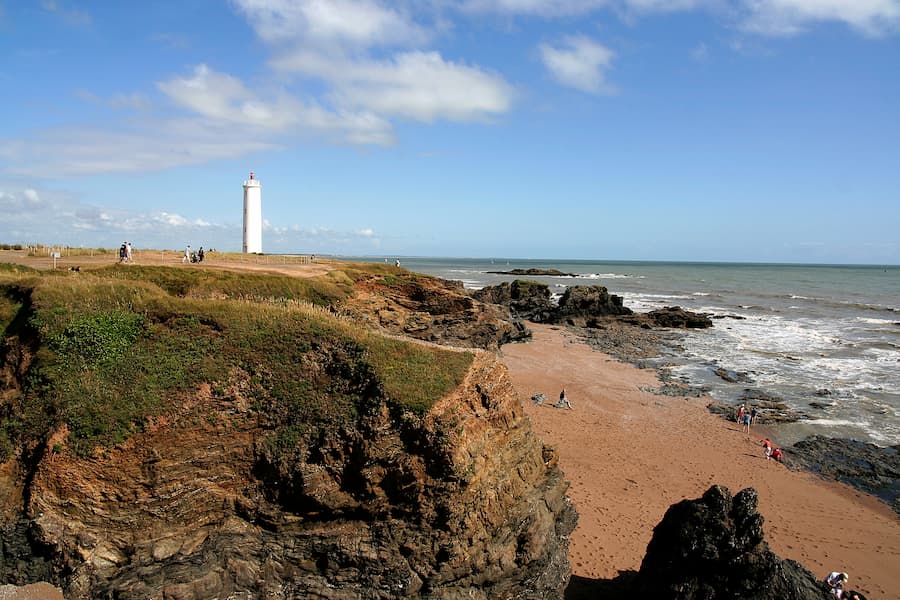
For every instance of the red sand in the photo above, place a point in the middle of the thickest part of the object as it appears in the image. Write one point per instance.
(630, 454)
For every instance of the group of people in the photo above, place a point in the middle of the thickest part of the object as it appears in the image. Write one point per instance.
(745, 418)
(125, 253)
(771, 451)
(193, 257)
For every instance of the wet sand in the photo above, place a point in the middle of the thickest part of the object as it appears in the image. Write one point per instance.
(630, 454)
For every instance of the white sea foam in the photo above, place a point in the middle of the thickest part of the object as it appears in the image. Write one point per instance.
(875, 321)
(609, 276)
(700, 294)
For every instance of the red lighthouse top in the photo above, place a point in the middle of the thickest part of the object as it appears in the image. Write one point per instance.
(251, 175)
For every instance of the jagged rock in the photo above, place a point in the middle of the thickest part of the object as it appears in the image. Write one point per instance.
(732, 376)
(526, 299)
(675, 316)
(463, 501)
(584, 302)
(768, 412)
(713, 548)
(866, 467)
(434, 310)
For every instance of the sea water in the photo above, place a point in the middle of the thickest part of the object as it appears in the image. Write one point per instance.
(828, 334)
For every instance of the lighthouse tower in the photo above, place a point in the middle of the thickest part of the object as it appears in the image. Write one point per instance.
(252, 216)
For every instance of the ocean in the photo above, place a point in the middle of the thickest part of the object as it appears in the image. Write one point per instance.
(828, 334)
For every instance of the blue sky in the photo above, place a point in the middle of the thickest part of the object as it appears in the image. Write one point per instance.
(742, 130)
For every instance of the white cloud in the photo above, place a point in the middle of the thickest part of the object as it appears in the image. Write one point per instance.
(358, 23)
(417, 85)
(546, 8)
(579, 62)
(790, 17)
(368, 232)
(72, 16)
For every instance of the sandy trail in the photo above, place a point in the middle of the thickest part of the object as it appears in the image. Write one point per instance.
(630, 454)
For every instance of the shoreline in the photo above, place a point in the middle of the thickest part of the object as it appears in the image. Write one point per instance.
(629, 454)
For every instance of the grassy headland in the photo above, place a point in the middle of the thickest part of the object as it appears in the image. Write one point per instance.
(102, 351)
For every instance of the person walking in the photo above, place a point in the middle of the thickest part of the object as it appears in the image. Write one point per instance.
(187, 255)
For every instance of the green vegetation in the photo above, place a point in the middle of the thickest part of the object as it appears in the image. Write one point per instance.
(117, 346)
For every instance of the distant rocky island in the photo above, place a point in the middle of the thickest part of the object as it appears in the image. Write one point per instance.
(534, 272)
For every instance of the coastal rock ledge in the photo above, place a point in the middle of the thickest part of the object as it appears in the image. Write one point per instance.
(461, 501)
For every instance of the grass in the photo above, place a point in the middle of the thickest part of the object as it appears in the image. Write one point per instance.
(117, 346)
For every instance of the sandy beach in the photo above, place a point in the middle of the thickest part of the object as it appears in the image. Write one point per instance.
(630, 454)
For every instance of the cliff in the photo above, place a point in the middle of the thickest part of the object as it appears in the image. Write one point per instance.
(188, 445)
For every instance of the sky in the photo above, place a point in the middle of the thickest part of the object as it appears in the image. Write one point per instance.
(701, 130)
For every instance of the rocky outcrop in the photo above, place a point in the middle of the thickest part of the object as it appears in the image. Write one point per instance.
(866, 467)
(526, 299)
(462, 501)
(433, 310)
(713, 548)
(535, 272)
(770, 410)
(583, 306)
(584, 302)
(677, 317)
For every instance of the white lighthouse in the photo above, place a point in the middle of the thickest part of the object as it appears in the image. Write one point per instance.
(252, 216)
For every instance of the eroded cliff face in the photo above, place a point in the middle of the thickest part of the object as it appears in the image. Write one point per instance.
(461, 501)
(435, 310)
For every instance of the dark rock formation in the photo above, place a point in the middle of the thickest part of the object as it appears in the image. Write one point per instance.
(732, 376)
(677, 317)
(526, 299)
(534, 272)
(433, 310)
(713, 548)
(770, 410)
(585, 302)
(462, 501)
(866, 467)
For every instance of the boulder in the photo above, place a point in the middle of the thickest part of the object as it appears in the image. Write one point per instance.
(713, 548)
(675, 316)
(526, 299)
(585, 301)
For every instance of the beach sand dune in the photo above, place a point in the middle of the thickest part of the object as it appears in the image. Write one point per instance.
(630, 454)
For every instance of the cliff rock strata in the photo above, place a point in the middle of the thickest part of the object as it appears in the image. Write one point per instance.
(461, 501)
(434, 310)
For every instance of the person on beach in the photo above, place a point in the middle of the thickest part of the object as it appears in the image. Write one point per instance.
(563, 401)
(187, 255)
(740, 414)
(200, 254)
(128, 257)
(746, 423)
(753, 414)
(835, 582)
(767, 448)
(777, 454)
